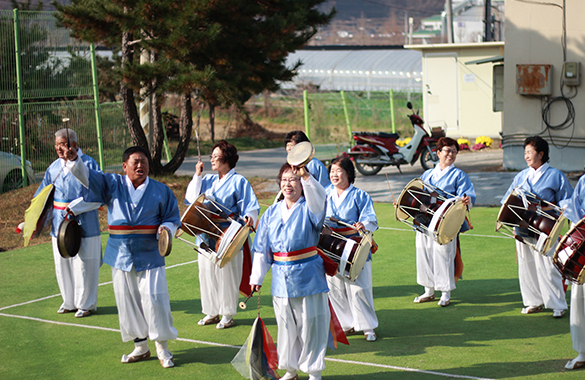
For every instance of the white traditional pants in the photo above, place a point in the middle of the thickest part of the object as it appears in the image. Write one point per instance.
(220, 287)
(578, 317)
(435, 263)
(303, 331)
(540, 282)
(353, 302)
(78, 276)
(144, 308)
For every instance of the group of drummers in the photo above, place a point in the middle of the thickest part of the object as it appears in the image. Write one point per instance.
(316, 238)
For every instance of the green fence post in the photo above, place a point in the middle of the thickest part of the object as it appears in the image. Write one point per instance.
(19, 96)
(166, 142)
(96, 102)
(306, 108)
(392, 111)
(343, 101)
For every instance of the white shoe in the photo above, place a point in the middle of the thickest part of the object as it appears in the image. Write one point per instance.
(315, 376)
(136, 356)
(82, 313)
(444, 303)
(208, 320)
(531, 309)
(62, 310)
(167, 363)
(225, 324)
(424, 298)
(578, 362)
(290, 375)
(371, 337)
(558, 313)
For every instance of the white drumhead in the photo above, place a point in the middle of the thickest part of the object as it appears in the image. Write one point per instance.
(300, 154)
(554, 234)
(234, 243)
(451, 223)
(360, 257)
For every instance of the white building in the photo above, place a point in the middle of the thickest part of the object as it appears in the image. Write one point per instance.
(534, 36)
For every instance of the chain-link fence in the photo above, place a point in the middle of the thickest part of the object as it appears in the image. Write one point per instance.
(55, 75)
(329, 113)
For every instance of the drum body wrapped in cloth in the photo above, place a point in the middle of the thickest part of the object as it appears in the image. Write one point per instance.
(530, 220)
(351, 254)
(220, 235)
(569, 257)
(426, 209)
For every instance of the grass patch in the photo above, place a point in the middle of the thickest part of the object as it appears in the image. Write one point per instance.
(481, 334)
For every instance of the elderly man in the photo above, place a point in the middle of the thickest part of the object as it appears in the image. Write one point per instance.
(139, 208)
(77, 276)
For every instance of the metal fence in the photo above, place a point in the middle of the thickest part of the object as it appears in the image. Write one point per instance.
(329, 116)
(54, 72)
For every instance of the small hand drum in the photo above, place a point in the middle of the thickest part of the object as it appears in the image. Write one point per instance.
(569, 257)
(165, 243)
(530, 220)
(300, 154)
(424, 208)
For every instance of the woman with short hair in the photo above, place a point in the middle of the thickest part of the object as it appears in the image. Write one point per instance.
(220, 286)
(540, 282)
(435, 263)
(286, 241)
(353, 301)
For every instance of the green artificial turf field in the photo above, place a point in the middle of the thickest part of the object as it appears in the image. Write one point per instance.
(480, 335)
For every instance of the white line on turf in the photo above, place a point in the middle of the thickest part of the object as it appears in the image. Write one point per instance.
(108, 329)
(406, 369)
(463, 234)
(103, 283)
(367, 364)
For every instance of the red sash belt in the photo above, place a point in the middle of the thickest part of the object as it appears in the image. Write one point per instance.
(60, 205)
(288, 257)
(132, 230)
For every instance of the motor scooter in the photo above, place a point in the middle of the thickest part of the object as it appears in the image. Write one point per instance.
(374, 150)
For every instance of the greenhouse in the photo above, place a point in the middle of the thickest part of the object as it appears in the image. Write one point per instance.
(358, 69)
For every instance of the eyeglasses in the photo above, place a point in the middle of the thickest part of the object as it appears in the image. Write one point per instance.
(290, 181)
(447, 151)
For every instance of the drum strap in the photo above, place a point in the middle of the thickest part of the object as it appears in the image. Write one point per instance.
(294, 257)
(346, 231)
(351, 233)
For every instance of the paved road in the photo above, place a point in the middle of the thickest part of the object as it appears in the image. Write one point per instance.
(490, 185)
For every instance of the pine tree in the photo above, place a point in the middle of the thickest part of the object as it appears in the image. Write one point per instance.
(224, 51)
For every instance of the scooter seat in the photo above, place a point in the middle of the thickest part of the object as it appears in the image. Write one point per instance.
(378, 134)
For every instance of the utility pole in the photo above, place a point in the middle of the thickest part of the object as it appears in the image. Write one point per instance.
(449, 11)
(405, 27)
(410, 27)
(488, 36)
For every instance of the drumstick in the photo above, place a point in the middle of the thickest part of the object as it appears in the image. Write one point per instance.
(335, 220)
(198, 150)
(243, 303)
(65, 120)
(468, 217)
(388, 181)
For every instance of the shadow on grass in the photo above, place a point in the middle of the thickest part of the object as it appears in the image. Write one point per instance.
(511, 370)
(475, 318)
